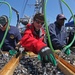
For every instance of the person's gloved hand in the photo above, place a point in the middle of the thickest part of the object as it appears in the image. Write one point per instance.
(67, 51)
(17, 46)
(21, 49)
(46, 55)
(12, 52)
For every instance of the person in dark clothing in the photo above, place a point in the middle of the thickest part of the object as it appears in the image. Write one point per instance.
(13, 35)
(58, 32)
(71, 32)
(71, 36)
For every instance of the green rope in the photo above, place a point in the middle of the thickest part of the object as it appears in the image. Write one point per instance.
(46, 26)
(68, 46)
(10, 15)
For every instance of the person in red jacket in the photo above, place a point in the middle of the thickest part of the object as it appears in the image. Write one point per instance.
(33, 39)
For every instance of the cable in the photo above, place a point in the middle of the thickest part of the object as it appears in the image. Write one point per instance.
(46, 26)
(24, 7)
(10, 15)
(61, 7)
(1, 4)
(17, 13)
(68, 46)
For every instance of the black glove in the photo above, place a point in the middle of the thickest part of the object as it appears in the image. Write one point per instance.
(46, 55)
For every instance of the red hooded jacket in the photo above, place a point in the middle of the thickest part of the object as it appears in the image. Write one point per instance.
(31, 41)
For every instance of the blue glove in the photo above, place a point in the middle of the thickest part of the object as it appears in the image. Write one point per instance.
(46, 56)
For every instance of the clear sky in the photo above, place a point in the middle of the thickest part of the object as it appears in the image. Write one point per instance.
(52, 9)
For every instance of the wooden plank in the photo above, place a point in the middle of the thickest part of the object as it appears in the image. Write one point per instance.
(70, 68)
(9, 68)
(60, 64)
(65, 69)
(31, 54)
